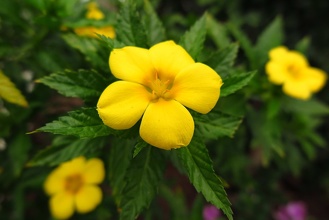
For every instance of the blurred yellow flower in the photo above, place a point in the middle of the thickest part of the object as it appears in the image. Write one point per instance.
(93, 12)
(157, 85)
(291, 69)
(73, 186)
(90, 31)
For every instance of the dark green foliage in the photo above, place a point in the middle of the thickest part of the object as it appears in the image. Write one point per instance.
(84, 123)
(195, 159)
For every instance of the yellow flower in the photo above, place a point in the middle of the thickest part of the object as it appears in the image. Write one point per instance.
(90, 31)
(93, 12)
(291, 69)
(73, 186)
(155, 85)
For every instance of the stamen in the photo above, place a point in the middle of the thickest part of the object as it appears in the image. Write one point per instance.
(73, 183)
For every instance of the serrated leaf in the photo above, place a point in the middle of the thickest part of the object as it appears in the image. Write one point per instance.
(193, 39)
(9, 92)
(83, 123)
(143, 176)
(196, 160)
(65, 148)
(85, 84)
(216, 124)
(139, 146)
(130, 30)
(271, 37)
(89, 47)
(110, 43)
(218, 32)
(236, 82)
(153, 26)
(223, 60)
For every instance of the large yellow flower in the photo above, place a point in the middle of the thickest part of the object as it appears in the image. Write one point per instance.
(291, 69)
(73, 186)
(155, 85)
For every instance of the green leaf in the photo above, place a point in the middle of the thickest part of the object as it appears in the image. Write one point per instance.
(193, 39)
(110, 43)
(309, 107)
(236, 82)
(223, 60)
(217, 32)
(129, 29)
(143, 177)
(303, 45)
(89, 47)
(85, 84)
(196, 160)
(9, 92)
(83, 123)
(234, 105)
(139, 146)
(271, 37)
(38, 4)
(216, 124)
(65, 148)
(153, 26)
(119, 161)
(244, 42)
(18, 152)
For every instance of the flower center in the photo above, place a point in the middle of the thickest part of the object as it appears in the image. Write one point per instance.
(295, 71)
(73, 183)
(160, 88)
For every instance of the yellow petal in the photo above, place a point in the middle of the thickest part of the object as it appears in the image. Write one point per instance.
(122, 104)
(88, 197)
(54, 183)
(95, 14)
(107, 31)
(94, 171)
(276, 72)
(167, 125)
(316, 78)
(296, 59)
(74, 166)
(197, 87)
(62, 205)
(297, 89)
(9, 92)
(132, 64)
(169, 59)
(278, 53)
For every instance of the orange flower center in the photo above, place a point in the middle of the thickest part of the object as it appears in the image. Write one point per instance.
(73, 183)
(160, 88)
(295, 71)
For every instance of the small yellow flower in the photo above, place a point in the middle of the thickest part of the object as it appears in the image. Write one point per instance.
(157, 85)
(73, 185)
(291, 69)
(90, 31)
(93, 12)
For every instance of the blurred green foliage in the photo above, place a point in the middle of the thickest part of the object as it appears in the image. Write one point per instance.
(267, 148)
